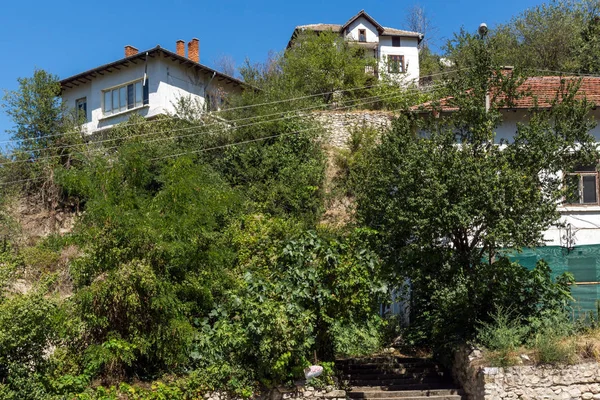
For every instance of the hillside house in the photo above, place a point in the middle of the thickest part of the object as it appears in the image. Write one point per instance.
(396, 50)
(574, 247)
(148, 83)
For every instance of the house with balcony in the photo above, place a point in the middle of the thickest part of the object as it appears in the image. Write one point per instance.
(396, 50)
(148, 83)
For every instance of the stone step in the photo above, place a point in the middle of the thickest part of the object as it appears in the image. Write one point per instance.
(439, 385)
(386, 394)
(393, 381)
(380, 359)
(392, 375)
(444, 397)
(377, 366)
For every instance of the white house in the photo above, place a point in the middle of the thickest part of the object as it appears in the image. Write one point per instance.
(148, 83)
(574, 245)
(396, 49)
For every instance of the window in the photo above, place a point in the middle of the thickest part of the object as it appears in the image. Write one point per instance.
(125, 97)
(214, 101)
(81, 109)
(582, 186)
(362, 35)
(395, 41)
(395, 64)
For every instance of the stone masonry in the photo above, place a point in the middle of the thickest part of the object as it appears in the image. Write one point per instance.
(580, 381)
(289, 393)
(339, 124)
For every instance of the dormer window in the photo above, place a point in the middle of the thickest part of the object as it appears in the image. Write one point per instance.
(362, 35)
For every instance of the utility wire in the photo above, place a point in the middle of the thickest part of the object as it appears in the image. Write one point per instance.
(199, 150)
(235, 108)
(358, 103)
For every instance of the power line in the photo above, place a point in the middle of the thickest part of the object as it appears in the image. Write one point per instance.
(196, 151)
(359, 102)
(233, 108)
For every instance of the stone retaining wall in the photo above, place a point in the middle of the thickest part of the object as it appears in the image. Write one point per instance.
(285, 393)
(580, 381)
(339, 124)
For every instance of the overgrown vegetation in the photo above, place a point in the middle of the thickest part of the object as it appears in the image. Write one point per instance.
(198, 261)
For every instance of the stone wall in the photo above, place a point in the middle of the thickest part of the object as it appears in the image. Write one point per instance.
(580, 381)
(288, 393)
(339, 124)
(308, 393)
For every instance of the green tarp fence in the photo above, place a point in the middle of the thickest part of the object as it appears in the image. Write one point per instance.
(582, 261)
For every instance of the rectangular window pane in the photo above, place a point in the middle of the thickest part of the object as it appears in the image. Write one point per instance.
(146, 90)
(589, 189)
(130, 96)
(572, 195)
(115, 100)
(138, 94)
(123, 98)
(396, 41)
(107, 103)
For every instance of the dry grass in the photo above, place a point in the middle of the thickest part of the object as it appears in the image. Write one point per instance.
(583, 347)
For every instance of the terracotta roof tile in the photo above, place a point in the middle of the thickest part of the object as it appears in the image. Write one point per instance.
(542, 89)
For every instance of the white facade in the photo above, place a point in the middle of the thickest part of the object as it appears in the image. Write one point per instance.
(396, 50)
(168, 80)
(582, 221)
(409, 50)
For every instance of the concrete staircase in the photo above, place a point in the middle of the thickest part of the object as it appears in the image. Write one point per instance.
(397, 378)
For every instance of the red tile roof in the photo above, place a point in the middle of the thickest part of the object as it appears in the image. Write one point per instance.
(542, 89)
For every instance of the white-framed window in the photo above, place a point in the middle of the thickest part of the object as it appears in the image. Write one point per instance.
(124, 97)
(81, 109)
(582, 186)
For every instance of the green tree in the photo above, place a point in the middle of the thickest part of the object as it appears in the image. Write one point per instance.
(44, 133)
(325, 63)
(447, 199)
(558, 36)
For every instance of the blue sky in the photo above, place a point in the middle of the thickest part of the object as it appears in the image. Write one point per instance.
(67, 37)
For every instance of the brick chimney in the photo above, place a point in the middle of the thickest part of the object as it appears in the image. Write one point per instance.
(194, 50)
(130, 51)
(181, 48)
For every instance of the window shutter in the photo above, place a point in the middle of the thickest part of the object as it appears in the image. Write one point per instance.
(146, 92)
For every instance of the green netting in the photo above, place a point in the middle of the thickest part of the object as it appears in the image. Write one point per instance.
(583, 262)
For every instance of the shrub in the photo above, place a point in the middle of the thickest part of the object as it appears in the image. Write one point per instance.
(352, 339)
(502, 335)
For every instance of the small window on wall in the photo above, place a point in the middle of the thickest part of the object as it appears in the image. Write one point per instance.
(582, 186)
(362, 35)
(395, 64)
(395, 41)
(81, 109)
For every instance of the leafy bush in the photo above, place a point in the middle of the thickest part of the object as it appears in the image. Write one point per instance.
(353, 339)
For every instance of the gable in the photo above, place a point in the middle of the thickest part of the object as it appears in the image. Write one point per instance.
(352, 30)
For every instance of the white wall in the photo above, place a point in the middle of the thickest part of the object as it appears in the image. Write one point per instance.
(584, 220)
(508, 128)
(167, 80)
(362, 23)
(408, 48)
